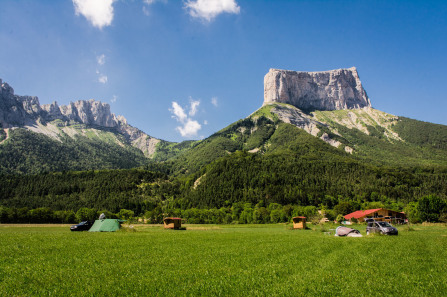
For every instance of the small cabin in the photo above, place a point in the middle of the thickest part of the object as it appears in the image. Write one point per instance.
(299, 222)
(172, 223)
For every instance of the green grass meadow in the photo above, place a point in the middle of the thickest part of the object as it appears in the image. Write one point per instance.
(221, 260)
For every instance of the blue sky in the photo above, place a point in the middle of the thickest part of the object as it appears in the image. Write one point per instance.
(186, 69)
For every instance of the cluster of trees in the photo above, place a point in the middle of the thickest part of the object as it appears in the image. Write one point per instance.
(47, 215)
(430, 208)
(113, 190)
(291, 179)
(239, 212)
(243, 187)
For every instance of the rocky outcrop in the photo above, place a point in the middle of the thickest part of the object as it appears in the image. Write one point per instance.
(326, 90)
(90, 112)
(17, 110)
(26, 111)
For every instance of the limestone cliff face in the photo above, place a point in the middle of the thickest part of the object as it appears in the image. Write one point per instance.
(17, 110)
(326, 90)
(90, 112)
(26, 111)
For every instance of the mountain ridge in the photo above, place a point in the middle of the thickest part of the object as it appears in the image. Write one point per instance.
(343, 119)
(57, 121)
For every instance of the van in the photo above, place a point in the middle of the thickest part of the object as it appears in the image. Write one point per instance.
(385, 228)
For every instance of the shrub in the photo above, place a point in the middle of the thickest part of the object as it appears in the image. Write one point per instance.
(86, 214)
(126, 214)
(340, 219)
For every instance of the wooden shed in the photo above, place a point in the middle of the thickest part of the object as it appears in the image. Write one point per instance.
(172, 223)
(299, 222)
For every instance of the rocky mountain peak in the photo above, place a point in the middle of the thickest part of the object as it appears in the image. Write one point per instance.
(6, 89)
(325, 90)
(26, 112)
(90, 112)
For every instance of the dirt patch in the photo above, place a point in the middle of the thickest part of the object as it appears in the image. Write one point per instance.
(7, 135)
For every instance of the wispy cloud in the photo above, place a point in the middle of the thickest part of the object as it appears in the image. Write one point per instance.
(98, 12)
(114, 98)
(178, 112)
(194, 106)
(189, 127)
(214, 101)
(101, 59)
(209, 9)
(102, 78)
(148, 3)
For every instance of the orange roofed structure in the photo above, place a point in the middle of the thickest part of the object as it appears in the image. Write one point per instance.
(379, 214)
(299, 222)
(172, 223)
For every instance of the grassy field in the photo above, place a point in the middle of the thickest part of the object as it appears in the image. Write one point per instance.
(237, 260)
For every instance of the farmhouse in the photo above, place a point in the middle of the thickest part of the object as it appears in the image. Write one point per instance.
(379, 214)
(172, 223)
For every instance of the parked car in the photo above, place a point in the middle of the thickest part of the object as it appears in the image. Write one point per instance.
(82, 226)
(374, 226)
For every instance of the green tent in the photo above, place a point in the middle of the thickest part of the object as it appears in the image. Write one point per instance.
(106, 225)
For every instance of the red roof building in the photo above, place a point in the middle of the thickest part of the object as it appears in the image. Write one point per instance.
(379, 214)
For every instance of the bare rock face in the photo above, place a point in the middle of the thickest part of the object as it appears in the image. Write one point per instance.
(90, 112)
(17, 110)
(326, 90)
(53, 110)
(26, 111)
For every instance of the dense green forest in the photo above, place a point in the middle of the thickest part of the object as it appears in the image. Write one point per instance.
(242, 187)
(257, 170)
(30, 153)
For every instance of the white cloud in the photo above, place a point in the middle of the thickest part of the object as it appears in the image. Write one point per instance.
(102, 78)
(189, 126)
(101, 59)
(214, 101)
(179, 113)
(194, 106)
(209, 9)
(205, 122)
(98, 12)
(114, 98)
